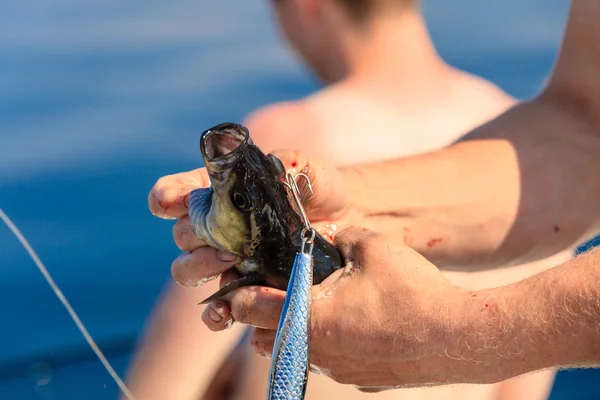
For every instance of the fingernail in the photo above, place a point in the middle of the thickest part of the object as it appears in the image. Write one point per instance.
(226, 257)
(214, 315)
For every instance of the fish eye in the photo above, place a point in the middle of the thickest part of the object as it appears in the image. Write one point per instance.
(242, 202)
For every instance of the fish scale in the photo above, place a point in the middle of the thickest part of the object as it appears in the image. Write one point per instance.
(290, 358)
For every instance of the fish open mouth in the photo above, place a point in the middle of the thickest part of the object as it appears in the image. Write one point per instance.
(223, 141)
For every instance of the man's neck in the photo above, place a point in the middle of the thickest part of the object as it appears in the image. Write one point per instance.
(395, 49)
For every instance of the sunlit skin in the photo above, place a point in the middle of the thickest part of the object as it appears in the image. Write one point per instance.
(461, 207)
(548, 320)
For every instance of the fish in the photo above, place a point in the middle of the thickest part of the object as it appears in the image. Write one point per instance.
(247, 211)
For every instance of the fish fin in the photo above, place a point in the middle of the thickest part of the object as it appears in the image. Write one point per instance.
(247, 280)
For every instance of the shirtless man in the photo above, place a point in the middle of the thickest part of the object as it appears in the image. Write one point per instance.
(386, 83)
(517, 189)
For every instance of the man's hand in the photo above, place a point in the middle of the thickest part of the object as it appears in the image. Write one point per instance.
(390, 319)
(381, 322)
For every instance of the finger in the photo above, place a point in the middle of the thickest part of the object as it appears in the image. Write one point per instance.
(200, 266)
(184, 237)
(168, 197)
(262, 341)
(217, 316)
(257, 306)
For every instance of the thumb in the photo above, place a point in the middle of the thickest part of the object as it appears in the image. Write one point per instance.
(328, 200)
(357, 245)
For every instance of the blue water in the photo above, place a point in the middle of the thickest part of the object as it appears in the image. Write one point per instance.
(98, 100)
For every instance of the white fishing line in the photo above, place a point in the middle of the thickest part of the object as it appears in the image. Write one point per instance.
(63, 299)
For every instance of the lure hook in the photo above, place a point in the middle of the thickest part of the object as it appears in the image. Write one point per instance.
(292, 184)
(308, 233)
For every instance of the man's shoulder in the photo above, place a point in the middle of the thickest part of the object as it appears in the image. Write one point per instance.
(280, 125)
(280, 113)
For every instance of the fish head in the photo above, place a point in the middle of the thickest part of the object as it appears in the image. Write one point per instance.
(246, 204)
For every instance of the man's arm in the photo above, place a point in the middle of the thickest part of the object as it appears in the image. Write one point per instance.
(403, 324)
(526, 192)
(517, 189)
(549, 320)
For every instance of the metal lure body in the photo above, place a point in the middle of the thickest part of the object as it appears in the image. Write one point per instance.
(290, 359)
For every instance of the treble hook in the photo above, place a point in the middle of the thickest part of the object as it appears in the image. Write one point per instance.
(308, 233)
(292, 184)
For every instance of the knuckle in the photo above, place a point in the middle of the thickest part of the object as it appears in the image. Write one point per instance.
(240, 308)
(181, 234)
(317, 331)
(178, 270)
(164, 189)
(162, 182)
(161, 196)
(159, 188)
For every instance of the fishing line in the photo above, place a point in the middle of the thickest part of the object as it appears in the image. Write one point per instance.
(63, 299)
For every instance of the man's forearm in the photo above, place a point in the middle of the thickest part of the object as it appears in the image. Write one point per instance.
(548, 320)
(515, 190)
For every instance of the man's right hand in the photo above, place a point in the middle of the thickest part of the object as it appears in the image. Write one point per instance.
(390, 319)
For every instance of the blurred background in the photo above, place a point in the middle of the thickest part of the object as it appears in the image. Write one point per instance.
(99, 99)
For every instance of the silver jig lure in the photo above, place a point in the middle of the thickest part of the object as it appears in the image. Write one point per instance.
(289, 370)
